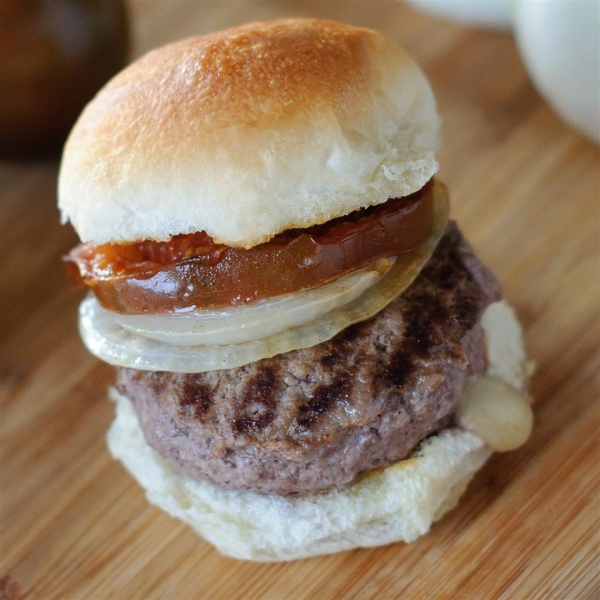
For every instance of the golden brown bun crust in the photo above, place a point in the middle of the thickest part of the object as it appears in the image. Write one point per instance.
(247, 132)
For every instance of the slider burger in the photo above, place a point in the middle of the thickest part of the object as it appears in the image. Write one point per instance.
(310, 357)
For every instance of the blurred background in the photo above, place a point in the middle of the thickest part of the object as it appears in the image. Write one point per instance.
(517, 88)
(55, 54)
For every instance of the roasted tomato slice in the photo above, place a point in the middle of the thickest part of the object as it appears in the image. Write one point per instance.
(192, 271)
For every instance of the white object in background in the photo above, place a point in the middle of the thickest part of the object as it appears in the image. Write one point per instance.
(559, 41)
(486, 13)
(560, 44)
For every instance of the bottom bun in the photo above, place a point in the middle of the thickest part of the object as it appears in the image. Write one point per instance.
(398, 503)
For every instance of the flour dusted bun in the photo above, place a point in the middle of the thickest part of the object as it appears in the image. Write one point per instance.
(398, 503)
(248, 132)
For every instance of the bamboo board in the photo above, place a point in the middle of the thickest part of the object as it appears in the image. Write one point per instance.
(525, 190)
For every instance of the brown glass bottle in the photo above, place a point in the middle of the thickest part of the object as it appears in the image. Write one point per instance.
(54, 56)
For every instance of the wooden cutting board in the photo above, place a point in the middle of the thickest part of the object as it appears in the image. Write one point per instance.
(525, 190)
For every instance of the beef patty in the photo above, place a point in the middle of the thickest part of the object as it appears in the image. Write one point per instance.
(318, 417)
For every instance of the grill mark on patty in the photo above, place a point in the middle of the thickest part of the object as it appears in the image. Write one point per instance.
(419, 338)
(464, 309)
(399, 369)
(321, 401)
(332, 358)
(316, 430)
(420, 332)
(196, 399)
(455, 276)
(444, 275)
(258, 402)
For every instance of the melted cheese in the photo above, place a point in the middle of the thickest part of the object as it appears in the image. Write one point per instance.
(497, 413)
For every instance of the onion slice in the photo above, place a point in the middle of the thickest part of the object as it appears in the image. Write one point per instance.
(105, 336)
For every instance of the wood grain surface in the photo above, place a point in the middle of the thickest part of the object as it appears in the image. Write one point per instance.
(526, 191)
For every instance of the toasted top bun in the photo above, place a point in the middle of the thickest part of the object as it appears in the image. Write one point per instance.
(248, 132)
